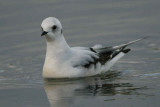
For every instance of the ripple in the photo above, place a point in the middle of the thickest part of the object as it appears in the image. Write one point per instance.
(1, 71)
(148, 75)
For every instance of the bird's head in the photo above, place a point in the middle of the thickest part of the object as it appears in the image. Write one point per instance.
(51, 28)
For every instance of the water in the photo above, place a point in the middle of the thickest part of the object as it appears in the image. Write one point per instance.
(132, 82)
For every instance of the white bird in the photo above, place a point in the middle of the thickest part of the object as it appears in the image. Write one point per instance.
(63, 61)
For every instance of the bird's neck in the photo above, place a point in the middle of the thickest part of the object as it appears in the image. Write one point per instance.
(57, 47)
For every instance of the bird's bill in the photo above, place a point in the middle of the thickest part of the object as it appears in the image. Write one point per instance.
(44, 33)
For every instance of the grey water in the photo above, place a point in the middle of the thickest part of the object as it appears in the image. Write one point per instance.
(133, 82)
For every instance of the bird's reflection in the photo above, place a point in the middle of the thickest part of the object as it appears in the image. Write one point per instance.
(63, 92)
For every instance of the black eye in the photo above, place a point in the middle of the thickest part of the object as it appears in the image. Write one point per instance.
(54, 27)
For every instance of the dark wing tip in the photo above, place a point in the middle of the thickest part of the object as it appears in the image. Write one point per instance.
(126, 51)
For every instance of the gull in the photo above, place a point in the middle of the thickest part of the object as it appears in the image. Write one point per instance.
(63, 61)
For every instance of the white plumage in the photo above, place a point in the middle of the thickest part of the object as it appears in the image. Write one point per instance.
(63, 61)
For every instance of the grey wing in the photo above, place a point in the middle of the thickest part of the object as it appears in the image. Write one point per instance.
(100, 56)
(106, 54)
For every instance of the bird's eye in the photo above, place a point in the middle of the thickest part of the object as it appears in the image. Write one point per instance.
(54, 27)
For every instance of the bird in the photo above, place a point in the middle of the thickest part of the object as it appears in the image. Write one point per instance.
(63, 61)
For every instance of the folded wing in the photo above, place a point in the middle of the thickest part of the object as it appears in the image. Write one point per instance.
(102, 54)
